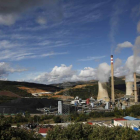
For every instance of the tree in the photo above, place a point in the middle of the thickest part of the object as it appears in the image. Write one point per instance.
(88, 132)
(57, 119)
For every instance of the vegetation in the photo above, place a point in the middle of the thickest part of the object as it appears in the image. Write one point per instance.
(90, 91)
(133, 111)
(4, 99)
(88, 132)
(26, 118)
(57, 119)
(30, 85)
(13, 88)
(8, 133)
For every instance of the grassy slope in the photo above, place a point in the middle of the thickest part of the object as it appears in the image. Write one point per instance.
(13, 87)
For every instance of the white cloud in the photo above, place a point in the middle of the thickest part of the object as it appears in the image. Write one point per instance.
(125, 44)
(57, 75)
(65, 73)
(102, 73)
(6, 69)
(41, 20)
(92, 58)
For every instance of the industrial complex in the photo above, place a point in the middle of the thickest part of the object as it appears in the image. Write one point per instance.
(103, 102)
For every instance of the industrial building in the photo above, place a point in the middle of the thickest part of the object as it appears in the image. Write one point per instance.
(128, 121)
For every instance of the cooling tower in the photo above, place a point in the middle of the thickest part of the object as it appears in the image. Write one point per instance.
(112, 81)
(135, 88)
(129, 88)
(102, 92)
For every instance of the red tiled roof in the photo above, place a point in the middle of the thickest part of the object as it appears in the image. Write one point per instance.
(43, 130)
(89, 123)
(119, 119)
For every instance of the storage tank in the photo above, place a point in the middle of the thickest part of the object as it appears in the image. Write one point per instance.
(102, 92)
(129, 88)
(107, 105)
(92, 104)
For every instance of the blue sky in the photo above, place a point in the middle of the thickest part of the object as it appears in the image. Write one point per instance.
(37, 36)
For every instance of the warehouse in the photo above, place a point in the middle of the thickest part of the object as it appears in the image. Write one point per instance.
(128, 121)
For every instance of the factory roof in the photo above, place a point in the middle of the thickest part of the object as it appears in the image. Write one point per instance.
(130, 118)
(119, 119)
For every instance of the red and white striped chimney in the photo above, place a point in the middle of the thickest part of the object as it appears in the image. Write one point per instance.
(112, 80)
(111, 59)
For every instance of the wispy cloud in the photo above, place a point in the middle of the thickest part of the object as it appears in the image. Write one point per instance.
(15, 51)
(125, 44)
(92, 58)
(118, 9)
(82, 13)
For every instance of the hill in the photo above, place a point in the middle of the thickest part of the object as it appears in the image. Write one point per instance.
(89, 89)
(10, 89)
(8, 93)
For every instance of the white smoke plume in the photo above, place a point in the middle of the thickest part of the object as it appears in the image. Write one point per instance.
(136, 50)
(132, 65)
(118, 63)
(133, 62)
(129, 77)
(103, 72)
(11, 9)
(138, 27)
(118, 8)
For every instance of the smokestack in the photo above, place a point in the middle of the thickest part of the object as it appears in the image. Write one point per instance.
(112, 80)
(102, 92)
(135, 88)
(129, 88)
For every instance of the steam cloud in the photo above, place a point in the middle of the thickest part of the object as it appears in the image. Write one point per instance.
(138, 27)
(132, 65)
(103, 72)
(118, 9)
(10, 10)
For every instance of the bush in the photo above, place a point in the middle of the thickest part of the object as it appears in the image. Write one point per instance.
(88, 132)
(57, 119)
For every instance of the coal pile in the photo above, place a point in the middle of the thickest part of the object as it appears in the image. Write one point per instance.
(27, 104)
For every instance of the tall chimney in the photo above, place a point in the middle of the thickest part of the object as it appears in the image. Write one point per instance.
(112, 80)
(135, 88)
(102, 92)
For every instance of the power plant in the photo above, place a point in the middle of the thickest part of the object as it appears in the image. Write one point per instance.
(102, 92)
(104, 102)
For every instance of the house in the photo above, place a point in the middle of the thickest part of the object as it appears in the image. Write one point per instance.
(43, 131)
